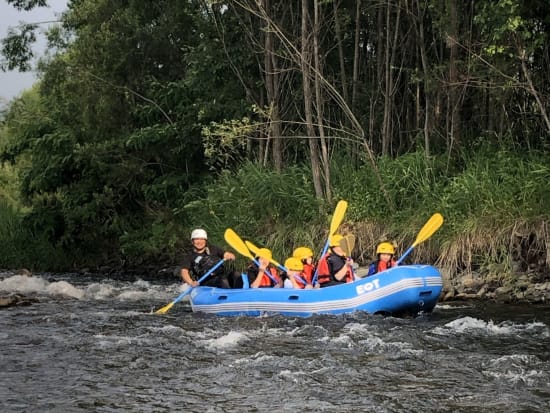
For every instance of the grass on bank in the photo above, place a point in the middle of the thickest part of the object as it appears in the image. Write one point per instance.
(494, 203)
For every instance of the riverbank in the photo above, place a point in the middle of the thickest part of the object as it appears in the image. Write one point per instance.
(529, 287)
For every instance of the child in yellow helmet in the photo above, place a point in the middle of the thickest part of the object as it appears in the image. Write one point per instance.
(305, 255)
(385, 252)
(265, 275)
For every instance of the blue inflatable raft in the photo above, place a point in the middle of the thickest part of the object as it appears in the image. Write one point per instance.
(403, 290)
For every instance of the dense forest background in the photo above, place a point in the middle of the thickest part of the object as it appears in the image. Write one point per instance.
(152, 118)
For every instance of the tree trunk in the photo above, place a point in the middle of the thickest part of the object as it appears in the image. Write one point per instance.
(387, 131)
(319, 101)
(338, 32)
(356, 55)
(454, 92)
(271, 82)
(305, 63)
(424, 60)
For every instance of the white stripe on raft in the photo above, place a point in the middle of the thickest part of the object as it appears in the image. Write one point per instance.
(327, 305)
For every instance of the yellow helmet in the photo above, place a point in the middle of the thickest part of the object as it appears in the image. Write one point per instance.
(302, 253)
(264, 253)
(385, 248)
(294, 264)
(334, 240)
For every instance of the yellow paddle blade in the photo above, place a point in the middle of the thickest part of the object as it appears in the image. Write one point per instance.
(338, 216)
(429, 228)
(237, 243)
(255, 249)
(164, 309)
(347, 244)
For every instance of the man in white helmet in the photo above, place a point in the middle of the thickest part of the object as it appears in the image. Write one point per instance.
(203, 257)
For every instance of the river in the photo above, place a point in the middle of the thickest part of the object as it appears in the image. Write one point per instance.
(92, 344)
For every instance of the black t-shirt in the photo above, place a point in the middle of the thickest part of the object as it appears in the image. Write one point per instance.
(335, 264)
(199, 263)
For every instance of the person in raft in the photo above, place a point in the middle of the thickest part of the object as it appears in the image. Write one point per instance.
(201, 258)
(385, 252)
(335, 268)
(263, 276)
(295, 277)
(305, 255)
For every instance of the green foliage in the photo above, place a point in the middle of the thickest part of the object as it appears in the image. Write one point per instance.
(225, 142)
(17, 48)
(23, 248)
(504, 20)
(266, 207)
(411, 179)
(139, 126)
(498, 184)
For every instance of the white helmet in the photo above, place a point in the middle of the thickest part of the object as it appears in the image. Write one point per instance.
(199, 233)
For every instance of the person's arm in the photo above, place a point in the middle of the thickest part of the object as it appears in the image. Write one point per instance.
(372, 269)
(341, 273)
(187, 278)
(261, 272)
(226, 255)
(184, 272)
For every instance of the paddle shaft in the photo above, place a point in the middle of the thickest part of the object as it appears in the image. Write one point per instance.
(409, 250)
(186, 292)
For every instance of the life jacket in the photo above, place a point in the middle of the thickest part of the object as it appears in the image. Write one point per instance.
(202, 262)
(325, 276)
(379, 266)
(303, 277)
(323, 272)
(266, 280)
(307, 272)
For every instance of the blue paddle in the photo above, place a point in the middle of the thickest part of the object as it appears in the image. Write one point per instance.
(167, 307)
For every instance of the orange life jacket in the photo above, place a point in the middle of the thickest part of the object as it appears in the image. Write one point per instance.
(266, 280)
(379, 266)
(323, 272)
(307, 272)
(303, 277)
(382, 266)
